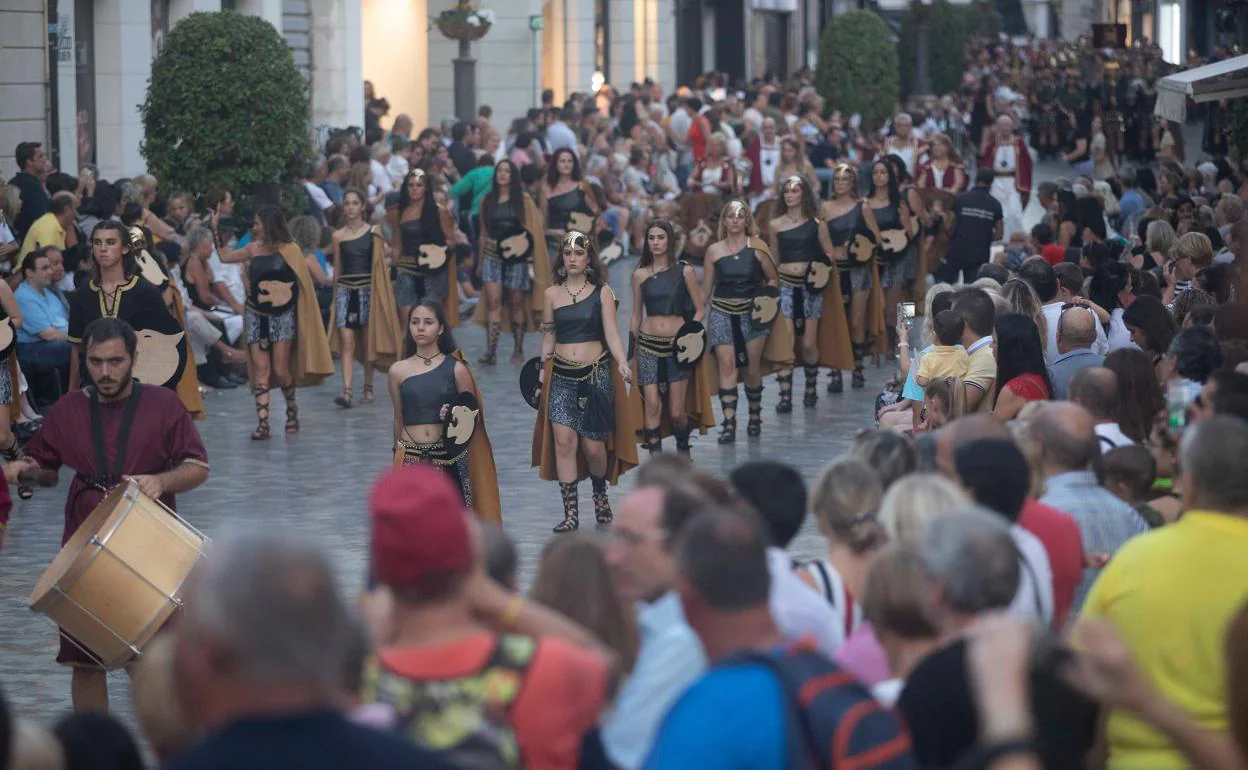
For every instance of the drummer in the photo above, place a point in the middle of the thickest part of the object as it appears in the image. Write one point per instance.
(145, 434)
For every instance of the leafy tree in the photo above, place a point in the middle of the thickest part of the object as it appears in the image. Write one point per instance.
(948, 27)
(227, 106)
(858, 68)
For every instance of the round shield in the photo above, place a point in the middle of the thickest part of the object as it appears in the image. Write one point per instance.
(862, 248)
(162, 350)
(531, 382)
(690, 345)
(149, 268)
(893, 244)
(818, 275)
(581, 221)
(276, 291)
(431, 256)
(515, 245)
(462, 416)
(766, 306)
(8, 338)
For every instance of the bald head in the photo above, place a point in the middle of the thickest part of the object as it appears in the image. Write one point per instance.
(962, 431)
(1065, 434)
(1095, 388)
(1075, 330)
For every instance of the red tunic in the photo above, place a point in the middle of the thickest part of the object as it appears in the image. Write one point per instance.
(1022, 168)
(162, 437)
(952, 179)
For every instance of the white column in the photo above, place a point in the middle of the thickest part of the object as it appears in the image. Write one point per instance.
(554, 52)
(180, 9)
(578, 65)
(661, 42)
(337, 64)
(395, 55)
(67, 89)
(122, 28)
(269, 10)
(623, 29)
(23, 68)
(709, 38)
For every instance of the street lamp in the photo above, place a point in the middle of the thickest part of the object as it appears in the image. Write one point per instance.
(922, 80)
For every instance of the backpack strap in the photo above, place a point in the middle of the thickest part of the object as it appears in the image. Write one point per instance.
(802, 745)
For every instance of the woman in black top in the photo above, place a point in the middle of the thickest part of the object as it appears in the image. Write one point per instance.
(847, 220)
(567, 201)
(893, 220)
(583, 423)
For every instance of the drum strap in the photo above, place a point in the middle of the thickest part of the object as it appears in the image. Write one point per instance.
(106, 477)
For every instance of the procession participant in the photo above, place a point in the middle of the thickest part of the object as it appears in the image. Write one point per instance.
(422, 236)
(514, 266)
(903, 142)
(282, 314)
(943, 170)
(913, 264)
(739, 274)
(893, 224)
(361, 284)
(666, 296)
(1007, 155)
(567, 200)
(425, 387)
(1045, 107)
(116, 429)
(813, 314)
(584, 426)
(848, 221)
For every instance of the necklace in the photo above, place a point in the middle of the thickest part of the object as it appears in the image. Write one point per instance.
(428, 359)
(575, 295)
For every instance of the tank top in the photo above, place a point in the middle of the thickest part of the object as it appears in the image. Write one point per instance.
(738, 276)
(888, 218)
(829, 583)
(356, 256)
(504, 220)
(560, 207)
(842, 229)
(798, 244)
(665, 293)
(422, 396)
(581, 321)
(412, 235)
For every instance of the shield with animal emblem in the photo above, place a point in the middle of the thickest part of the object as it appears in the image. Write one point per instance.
(8, 338)
(893, 245)
(766, 306)
(516, 245)
(149, 268)
(862, 248)
(818, 275)
(581, 221)
(431, 257)
(609, 247)
(690, 345)
(275, 291)
(531, 382)
(162, 350)
(462, 415)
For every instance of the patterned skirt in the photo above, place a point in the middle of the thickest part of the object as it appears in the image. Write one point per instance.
(264, 330)
(724, 316)
(414, 288)
(6, 382)
(434, 453)
(855, 279)
(656, 361)
(581, 397)
(352, 306)
(901, 272)
(797, 301)
(512, 275)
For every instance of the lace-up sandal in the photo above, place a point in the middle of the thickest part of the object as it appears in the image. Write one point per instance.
(835, 383)
(571, 508)
(490, 357)
(653, 441)
(682, 438)
(754, 399)
(785, 381)
(12, 454)
(728, 405)
(517, 336)
(811, 396)
(262, 430)
(367, 398)
(344, 400)
(602, 506)
(292, 410)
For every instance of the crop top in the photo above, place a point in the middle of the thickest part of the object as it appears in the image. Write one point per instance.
(738, 276)
(665, 292)
(799, 244)
(422, 396)
(580, 321)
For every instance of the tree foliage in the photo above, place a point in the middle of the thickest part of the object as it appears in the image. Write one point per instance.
(226, 105)
(948, 26)
(858, 68)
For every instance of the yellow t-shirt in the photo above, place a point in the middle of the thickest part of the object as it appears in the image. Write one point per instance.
(944, 361)
(1170, 593)
(44, 231)
(981, 372)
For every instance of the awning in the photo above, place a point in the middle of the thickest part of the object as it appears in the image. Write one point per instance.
(1226, 79)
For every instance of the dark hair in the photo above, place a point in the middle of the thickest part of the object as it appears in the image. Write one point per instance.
(107, 329)
(552, 171)
(899, 168)
(129, 259)
(894, 189)
(948, 326)
(976, 308)
(1090, 215)
(446, 340)
(1108, 281)
(1019, 351)
(1150, 316)
(985, 177)
(1133, 465)
(1095, 388)
(30, 262)
(430, 220)
(777, 492)
(363, 196)
(515, 189)
(1230, 395)
(97, 741)
(59, 204)
(595, 273)
(1202, 315)
(891, 454)
(214, 197)
(1069, 276)
(722, 553)
(647, 257)
(996, 473)
(1067, 206)
(61, 182)
(1139, 394)
(1040, 275)
(276, 232)
(459, 131)
(1196, 353)
(1042, 234)
(25, 153)
(997, 272)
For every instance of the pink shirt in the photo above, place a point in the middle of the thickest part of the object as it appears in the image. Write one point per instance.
(862, 656)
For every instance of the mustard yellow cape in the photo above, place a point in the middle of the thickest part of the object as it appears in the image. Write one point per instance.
(312, 362)
(188, 385)
(835, 348)
(451, 305)
(697, 401)
(778, 350)
(541, 269)
(482, 474)
(621, 444)
(877, 336)
(383, 339)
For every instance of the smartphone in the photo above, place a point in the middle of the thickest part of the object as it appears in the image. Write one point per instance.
(905, 314)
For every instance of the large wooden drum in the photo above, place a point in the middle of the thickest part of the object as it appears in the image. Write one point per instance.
(119, 578)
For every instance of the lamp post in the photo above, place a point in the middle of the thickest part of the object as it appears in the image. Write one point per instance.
(464, 23)
(922, 79)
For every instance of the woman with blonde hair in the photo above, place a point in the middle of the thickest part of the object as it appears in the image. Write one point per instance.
(1018, 297)
(917, 499)
(794, 162)
(893, 600)
(715, 173)
(846, 501)
(944, 400)
(1159, 240)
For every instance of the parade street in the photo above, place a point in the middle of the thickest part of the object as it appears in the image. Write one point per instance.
(316, 484)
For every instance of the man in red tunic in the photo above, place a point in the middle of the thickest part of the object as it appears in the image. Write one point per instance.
(147, 435)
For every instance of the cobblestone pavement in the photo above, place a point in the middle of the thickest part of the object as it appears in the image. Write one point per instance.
(316, 484)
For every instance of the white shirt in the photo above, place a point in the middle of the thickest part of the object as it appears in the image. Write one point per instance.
(797, 609)
(1034, 600)
(1118, 336)
(230, 275)
(381, 177)
(1052, 316)
(768, 162)
(560, 137)
(1111, 436)
(318, 196)
(669, 660)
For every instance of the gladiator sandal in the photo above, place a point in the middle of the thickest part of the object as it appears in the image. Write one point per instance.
(811, 397)
(367, 398)
(653, 441)
(602, 506)
(682, 437)
(292, 409)
(785, 381)
(728, 405)
(491, 343)
(754, 400)
(835, 383)
(517, 336)
(262, 414)
(859, 380)
(12, 454)
(571, 508)
(344, 400)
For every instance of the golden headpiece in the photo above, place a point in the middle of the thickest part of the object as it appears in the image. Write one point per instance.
(138, 239)
(735, 207)
(574, 238)
(845, 168)
(793, 180)
(418, 173)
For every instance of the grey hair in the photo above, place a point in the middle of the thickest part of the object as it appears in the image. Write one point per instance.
(198, 236)
(1212, 454)
(271, 602)
(970, 553)
(916, 499)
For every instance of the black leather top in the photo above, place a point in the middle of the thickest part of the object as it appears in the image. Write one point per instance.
(799, 244)
(841, 229)
(503, 219)
(888, 218)
(422, 396)
(357, 257)
(560, 207)
(665, 293)
(738, 276)
(263, 264)
(581, 321)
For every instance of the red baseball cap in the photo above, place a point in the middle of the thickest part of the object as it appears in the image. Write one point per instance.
(420, 527)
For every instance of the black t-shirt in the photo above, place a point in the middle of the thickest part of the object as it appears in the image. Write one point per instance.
(939, 709)
(1080, 133)
(977, 216)
(320, 740)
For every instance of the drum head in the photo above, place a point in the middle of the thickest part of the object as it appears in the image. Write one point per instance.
(431, 257)
(163, 349)
(276, 291)
(690, 345)
(517, 244)
(461, 423)
(766, 306)
(8, 338)
(531, 382)
(862, 247)
(818, 275)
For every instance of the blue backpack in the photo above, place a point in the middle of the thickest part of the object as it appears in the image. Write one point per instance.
(834, 722)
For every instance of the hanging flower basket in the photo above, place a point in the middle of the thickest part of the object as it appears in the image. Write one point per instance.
(465, 21)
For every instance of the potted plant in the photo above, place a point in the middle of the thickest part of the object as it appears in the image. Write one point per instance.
(465, 21)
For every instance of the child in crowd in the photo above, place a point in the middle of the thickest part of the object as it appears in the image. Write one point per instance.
(1129, 472)
(947, 358)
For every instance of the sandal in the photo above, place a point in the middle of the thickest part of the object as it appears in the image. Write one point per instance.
(835, 383)
(728, 405)
(754, 400)
(262, 430)
(292, 410)
(367, 397)
(653, 441)
(811, 397)
(517, 336)
(785, 381)
(571, 508)
(25, 491)
(344, 400)
(602, 506)
(490, 357)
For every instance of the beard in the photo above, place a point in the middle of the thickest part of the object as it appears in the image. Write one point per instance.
(112, 387)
